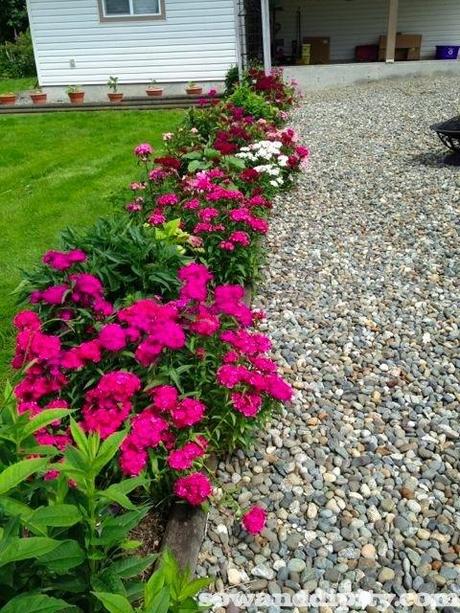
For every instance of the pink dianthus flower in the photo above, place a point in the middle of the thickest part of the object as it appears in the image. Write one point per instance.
(143, 151)
(187, 413)
(194, 488)
(112, 337)
(254, 520)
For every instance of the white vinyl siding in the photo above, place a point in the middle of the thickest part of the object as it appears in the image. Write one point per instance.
(359, 22)
(195, 41)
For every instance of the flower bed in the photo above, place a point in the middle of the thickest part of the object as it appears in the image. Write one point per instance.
(138, 337)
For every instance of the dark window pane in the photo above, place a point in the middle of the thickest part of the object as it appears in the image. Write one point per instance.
(117, 7)
(146, 7)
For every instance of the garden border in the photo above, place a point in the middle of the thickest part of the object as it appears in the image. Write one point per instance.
(129, 104)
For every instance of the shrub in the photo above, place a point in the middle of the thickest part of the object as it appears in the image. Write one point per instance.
(231, 80)
(125, 256)
(17, 59)
(253, 103)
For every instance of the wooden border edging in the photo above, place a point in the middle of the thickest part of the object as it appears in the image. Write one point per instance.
(128, 104)
(185, 533)
(186, 529)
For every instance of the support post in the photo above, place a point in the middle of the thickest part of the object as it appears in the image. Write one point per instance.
(238, 34)
(266, 36)
(392, 28)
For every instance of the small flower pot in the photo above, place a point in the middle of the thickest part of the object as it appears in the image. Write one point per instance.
(39, 98)
(8, 99)
(76, 97)
(154, 92)
(194, 91)
(115, 96)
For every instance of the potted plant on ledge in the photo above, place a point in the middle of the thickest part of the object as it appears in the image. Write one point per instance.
(8, 98)
(114, 95)
(153, 90)
(76, 94)
(38, 96)
(193, 89)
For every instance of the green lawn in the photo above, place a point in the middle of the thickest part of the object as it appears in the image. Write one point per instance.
(17, 85)
(58, 170)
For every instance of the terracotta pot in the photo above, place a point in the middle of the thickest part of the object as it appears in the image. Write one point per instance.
(194, 91)
(115, 96)
(39, 98)
(154, 92)
(8, 98)
(76, 97)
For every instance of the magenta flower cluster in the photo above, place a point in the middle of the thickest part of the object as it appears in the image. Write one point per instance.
(147, 330)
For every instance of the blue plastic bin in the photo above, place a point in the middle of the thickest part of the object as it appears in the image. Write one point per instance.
(447, 52)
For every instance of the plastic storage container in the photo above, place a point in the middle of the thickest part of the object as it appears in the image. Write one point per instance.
(447, 52)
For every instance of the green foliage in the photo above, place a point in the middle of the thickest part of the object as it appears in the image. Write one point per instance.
(13, 19)
(17, 58)
(231, 80)
(60, 540)
(253, 103)
(169, 590)
(131, 260)
(112, 84)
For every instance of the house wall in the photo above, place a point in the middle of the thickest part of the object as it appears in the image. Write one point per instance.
(196, 42)
(354, 22)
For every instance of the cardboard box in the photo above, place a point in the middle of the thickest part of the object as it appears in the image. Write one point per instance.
(320, 49)
(407, 47)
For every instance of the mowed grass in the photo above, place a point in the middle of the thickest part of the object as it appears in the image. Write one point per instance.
(17, 85)
(56, 170)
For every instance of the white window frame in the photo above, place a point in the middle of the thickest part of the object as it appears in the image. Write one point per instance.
(131, 16)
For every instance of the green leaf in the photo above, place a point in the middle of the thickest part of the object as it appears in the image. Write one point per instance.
(132, 566)
(235, 162)
(193, 587)
(195, 165)
(211, 153)
(67, 555)
(107, 451)
(117, 492)
(14, 508)
(16, 473)
(116, 528)
(134, 590)
(58, 515)
(130, 545)
(78, 436)
(118, 497)
(160, 603)
(170, 567)
(42, 420)
(10, 506)
(76, 459)
(114, 603)
(193, 155)
(153, 587)
(35, 603)
(25, 548)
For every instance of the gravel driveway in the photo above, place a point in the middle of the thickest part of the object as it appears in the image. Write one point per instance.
(361, 474)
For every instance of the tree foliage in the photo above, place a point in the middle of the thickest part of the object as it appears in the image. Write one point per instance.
(13, 19)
